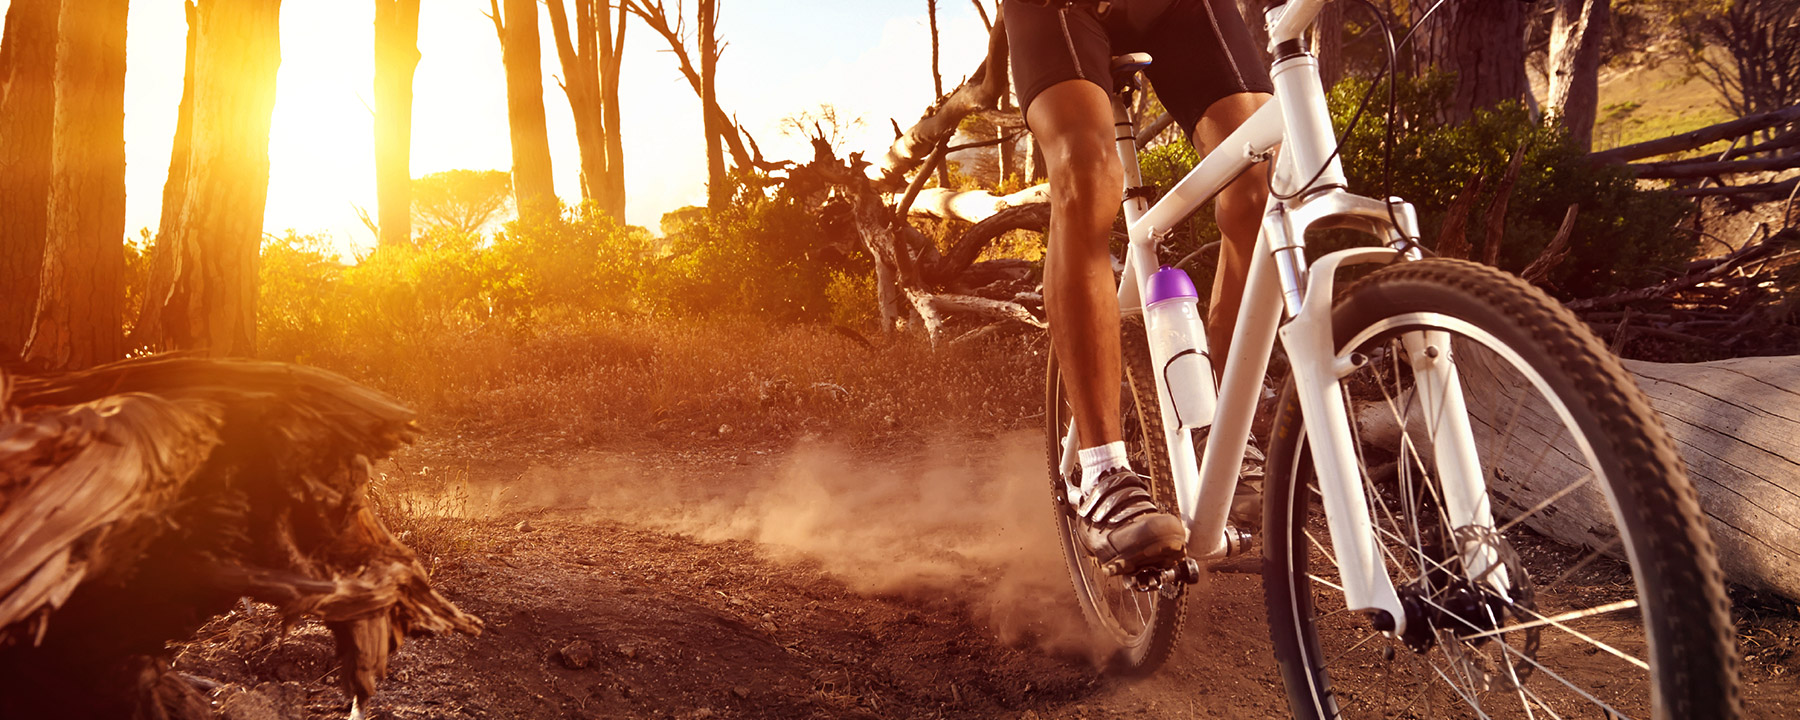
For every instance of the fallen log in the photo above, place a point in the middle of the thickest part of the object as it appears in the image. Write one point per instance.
(140, 498)
(1736, 423)
(1677, 169)
(1697, 138)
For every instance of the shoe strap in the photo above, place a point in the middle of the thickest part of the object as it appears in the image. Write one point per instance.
(1118, 496)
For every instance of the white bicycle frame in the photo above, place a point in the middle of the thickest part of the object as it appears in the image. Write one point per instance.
(1281, 280)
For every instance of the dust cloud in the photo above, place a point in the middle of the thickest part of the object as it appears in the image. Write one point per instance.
(967, 522)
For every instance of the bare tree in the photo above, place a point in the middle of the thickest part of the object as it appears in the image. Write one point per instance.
(82, 291)
(1760, 69)
(1577, 36)
(717, 195)
(827, 122)
(590, 61)
(207, 296)
(396, 59)
(673, 29)
(27, 109)
(533, 184)
(937, 76)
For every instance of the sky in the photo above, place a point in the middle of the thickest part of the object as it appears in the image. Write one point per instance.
(868, 58)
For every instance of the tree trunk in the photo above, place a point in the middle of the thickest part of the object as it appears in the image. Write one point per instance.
(1328, 43)
(1431, 47)
(583, 63)
(533, 187)
(717, 192)
(396, 58)
(657, 17)
(1737, 426)
(82, 292)
(164, 260)
(213, 238)
(611, 42)
(1488, 51)
(937, 81)
(1576, 36)
(27, 109)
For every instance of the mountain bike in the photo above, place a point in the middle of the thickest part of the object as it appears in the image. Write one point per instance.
(1470, 510)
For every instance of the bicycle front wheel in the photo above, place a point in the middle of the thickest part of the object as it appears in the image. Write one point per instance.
(1609, 603)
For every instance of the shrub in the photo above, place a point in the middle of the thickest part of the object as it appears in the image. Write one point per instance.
(764, 254)
(1624, 237)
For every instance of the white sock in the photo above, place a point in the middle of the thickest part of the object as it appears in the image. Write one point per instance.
(1095, 461)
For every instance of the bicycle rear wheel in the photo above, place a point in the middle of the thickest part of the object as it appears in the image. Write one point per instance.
(1615, 602)
(1137, 629)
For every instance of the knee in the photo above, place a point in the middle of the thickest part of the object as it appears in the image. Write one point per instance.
(1085, 176)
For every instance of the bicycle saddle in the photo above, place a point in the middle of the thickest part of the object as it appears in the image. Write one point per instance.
(1127, 65)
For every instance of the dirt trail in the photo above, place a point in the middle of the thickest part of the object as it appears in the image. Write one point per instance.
(815, 582)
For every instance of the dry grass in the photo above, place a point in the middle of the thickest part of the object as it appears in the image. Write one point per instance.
(719, 379)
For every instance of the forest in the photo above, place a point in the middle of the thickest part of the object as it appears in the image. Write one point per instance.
(774, 451)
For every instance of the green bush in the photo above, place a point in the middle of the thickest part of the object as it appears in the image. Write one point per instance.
(765, 254)
(1623, 237)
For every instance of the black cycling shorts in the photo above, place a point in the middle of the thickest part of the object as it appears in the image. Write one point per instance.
(1201, 50)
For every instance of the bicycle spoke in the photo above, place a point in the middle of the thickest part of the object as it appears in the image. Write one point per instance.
(1560, 618)
(1614, 712)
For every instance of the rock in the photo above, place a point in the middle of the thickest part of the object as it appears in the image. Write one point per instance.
(577, 655)
(629, 651)
(742, 693)
(724, 430)
(524, 526)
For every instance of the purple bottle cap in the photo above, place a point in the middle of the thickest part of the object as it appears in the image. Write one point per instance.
(1168, 284)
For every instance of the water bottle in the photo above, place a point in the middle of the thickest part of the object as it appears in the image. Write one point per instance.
(1178, 349)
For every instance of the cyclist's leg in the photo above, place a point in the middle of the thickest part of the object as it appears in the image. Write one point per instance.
(1061, 58)
(1239, 210)
(1060, 62)
(1209, 73)
(1072, 122)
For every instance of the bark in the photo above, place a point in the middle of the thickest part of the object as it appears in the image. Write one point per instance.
(611, 41)
(213, 238)
(1432, 47)
(396, 59)
(581, 83)
(973, 206)
(1488, 55)
(1734, 424)
(146, 496)
(937, 79)
(533, 186)
(1328, 43)
(718, 192)
(163, 259)
(1707, 168)
(1577, 35)
(82, 292)
(27, 109)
